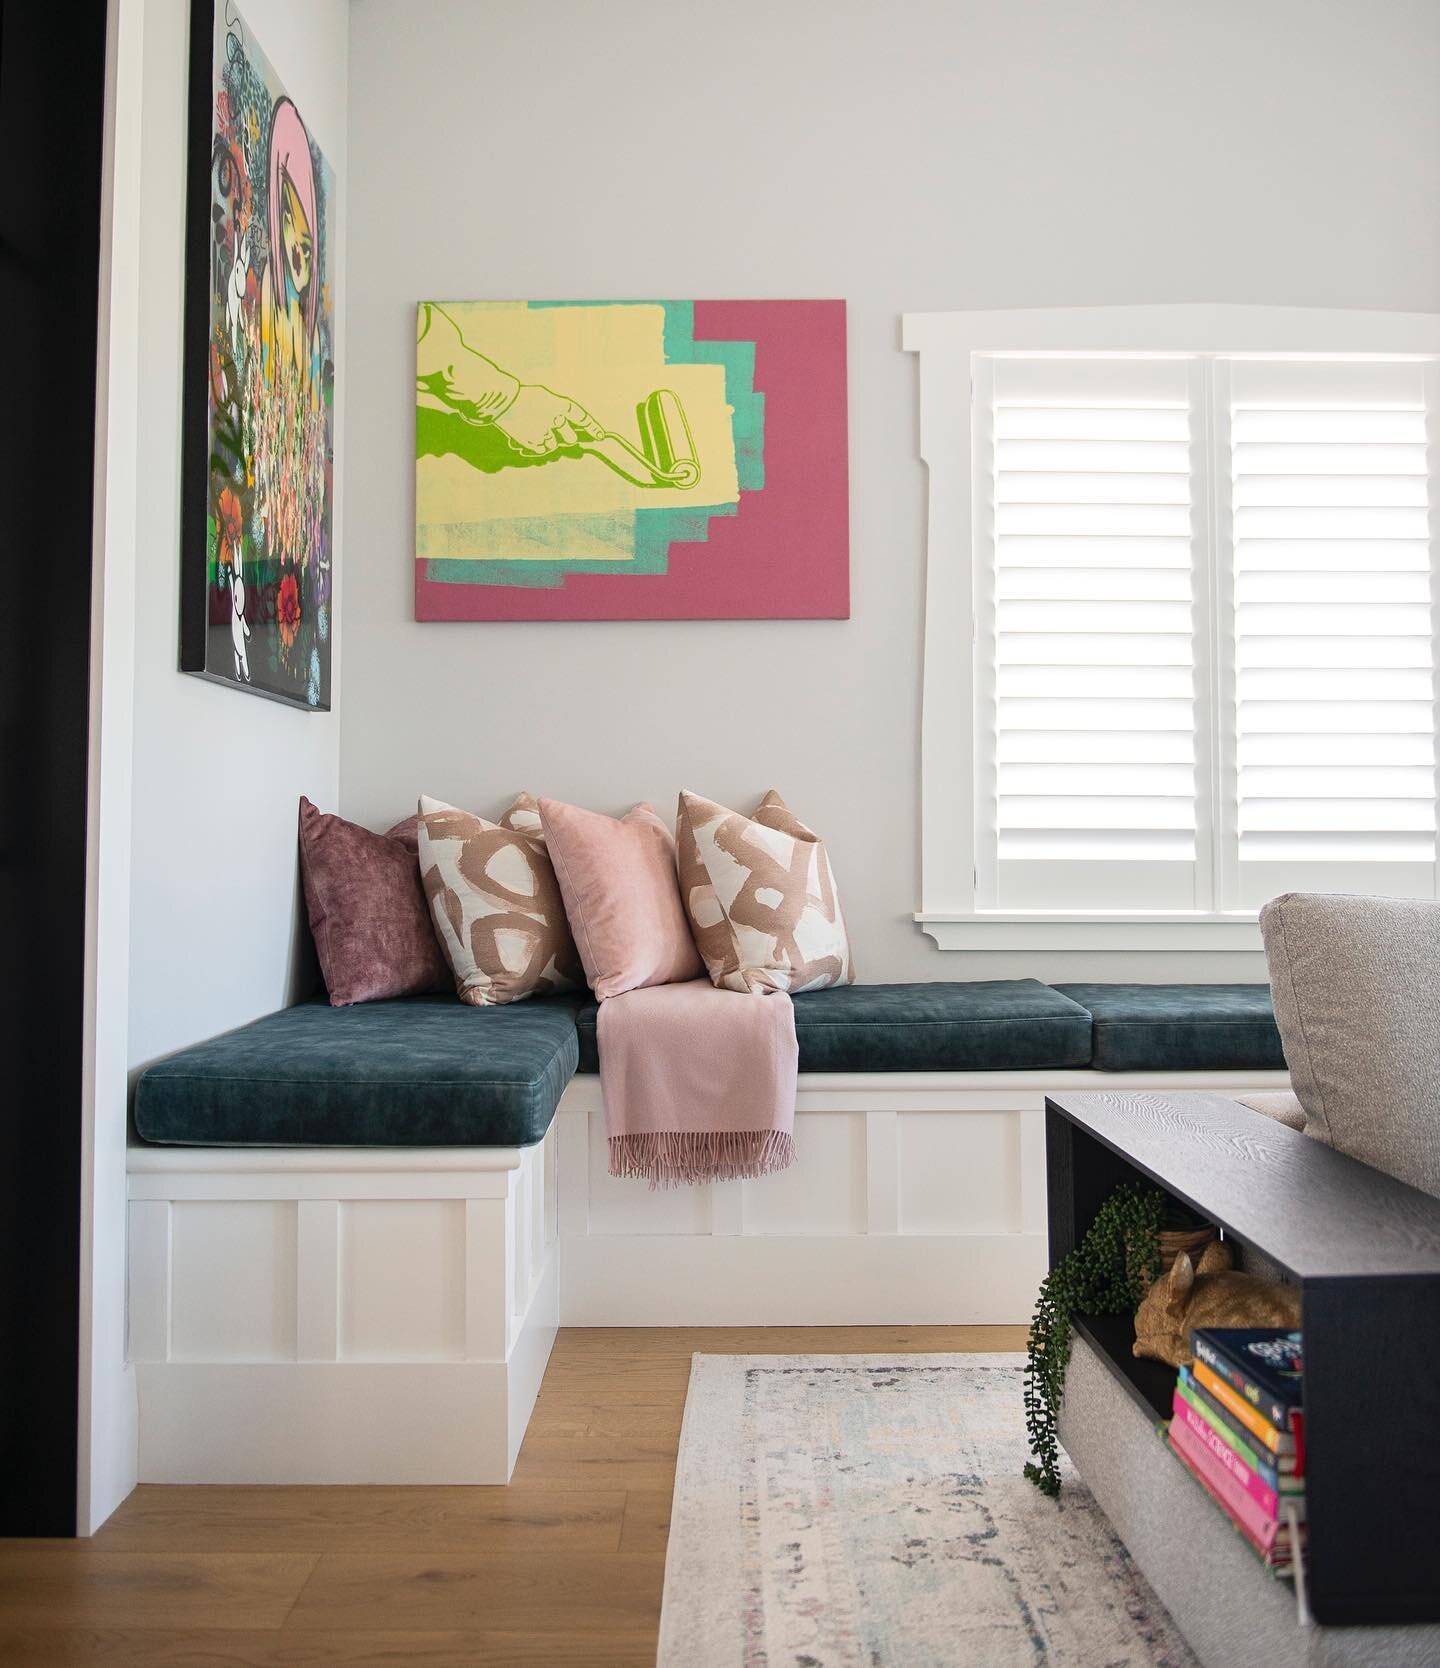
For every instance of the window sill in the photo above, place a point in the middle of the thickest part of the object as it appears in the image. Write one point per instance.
(1002, 930)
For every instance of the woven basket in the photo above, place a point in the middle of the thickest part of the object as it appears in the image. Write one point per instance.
(1175, 1240)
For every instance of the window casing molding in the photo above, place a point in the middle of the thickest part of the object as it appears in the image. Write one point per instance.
(955, 908)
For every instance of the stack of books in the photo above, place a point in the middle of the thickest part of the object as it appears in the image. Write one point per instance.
(1239, 1427)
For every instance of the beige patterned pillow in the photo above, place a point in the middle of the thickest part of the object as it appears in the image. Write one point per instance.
(496, 905)
(761, 897)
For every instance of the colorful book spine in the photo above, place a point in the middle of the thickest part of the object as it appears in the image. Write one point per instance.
(1267, 1534)
(1259, 1490)
(1264, 1401)
(1276, 1470)
(1278, 1442)
(1276, 1552)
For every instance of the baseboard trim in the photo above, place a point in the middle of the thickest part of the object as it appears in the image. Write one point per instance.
(799, 1280)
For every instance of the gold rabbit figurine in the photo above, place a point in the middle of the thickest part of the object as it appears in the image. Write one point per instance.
(1212, 1294)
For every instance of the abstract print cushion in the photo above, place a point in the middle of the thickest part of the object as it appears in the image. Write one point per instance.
(618, 878)
(367, 913)
(761, 897)
(498, 913)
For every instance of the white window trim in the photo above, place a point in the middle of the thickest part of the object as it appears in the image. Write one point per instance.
(945, 343)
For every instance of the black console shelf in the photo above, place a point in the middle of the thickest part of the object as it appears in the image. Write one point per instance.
(1364, 1250)
(1150, 1383)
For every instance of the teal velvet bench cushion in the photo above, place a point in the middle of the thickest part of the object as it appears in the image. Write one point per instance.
(1181, 1027)
(425, 1071)
(984, 1025)
(431, 1071)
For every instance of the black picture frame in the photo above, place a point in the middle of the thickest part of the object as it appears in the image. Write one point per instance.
(268, 633)
(195, 328)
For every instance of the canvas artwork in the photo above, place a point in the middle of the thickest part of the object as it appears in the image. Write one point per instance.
(631, 460)
(257, 559)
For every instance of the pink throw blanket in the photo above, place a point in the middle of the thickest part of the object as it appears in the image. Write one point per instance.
(699, 1083)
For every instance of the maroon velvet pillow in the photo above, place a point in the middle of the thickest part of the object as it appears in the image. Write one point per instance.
(367, 911)
(407, 832)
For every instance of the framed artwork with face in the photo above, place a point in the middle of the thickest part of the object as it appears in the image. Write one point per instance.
(257, 560)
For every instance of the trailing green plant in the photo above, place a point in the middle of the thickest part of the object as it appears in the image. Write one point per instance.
(1107, 1273)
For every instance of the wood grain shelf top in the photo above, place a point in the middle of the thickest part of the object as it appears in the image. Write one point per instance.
(1319, 1214)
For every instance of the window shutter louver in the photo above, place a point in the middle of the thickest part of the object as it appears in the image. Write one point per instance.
(1334, 700)
(1092, 628)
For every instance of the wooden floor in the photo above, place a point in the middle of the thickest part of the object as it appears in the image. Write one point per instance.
(562, 1567)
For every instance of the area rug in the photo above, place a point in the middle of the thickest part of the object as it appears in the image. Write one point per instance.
(868, 1511)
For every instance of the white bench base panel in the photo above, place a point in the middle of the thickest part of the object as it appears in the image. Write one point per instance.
(915, 1198)
(327, 1316)
(374, 1315)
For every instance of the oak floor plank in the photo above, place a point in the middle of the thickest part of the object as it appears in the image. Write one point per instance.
(600, 1462)
(588, 1383)
(576, 1595)
(55, 1587)
(574, 1418)
(647, 1522)
(221, 1648)
(74, 1647)
(234, 1518)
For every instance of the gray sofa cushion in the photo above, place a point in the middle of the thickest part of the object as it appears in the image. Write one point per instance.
(1356, 985)
(1278, 1104)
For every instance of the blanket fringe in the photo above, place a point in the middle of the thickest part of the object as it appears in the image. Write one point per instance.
(676, 1159)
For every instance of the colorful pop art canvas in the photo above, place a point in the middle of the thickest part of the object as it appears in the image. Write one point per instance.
(631, 460)
(257, 562)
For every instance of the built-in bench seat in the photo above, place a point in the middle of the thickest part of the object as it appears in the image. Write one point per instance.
(426, 1071)
(353, 1232)
(984, 1025)
(430, 1071)
(1180, 1027)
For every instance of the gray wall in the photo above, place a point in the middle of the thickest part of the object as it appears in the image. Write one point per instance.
(920, 154)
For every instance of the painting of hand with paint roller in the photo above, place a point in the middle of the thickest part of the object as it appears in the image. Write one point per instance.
(559, 449)
(524, 423)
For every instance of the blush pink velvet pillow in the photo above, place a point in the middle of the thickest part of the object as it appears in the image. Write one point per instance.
(367, 911)
(621, 897)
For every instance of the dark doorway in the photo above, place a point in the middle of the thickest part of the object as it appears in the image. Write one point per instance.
(52, 99)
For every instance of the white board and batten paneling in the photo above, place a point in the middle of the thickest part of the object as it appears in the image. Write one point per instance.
(915, 1198)
(356, 1315)
(340, 1315)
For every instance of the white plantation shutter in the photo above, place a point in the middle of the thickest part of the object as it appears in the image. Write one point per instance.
(1205, 620)
(1086, 491)
(1330, 521)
